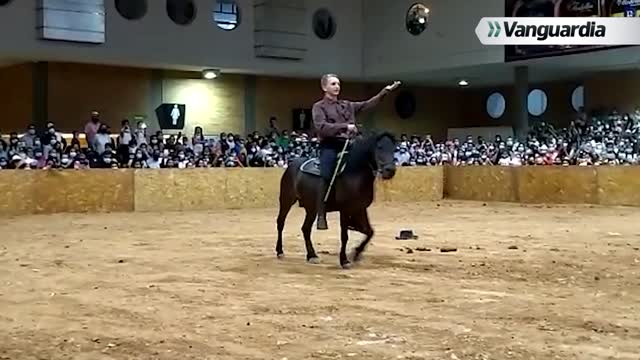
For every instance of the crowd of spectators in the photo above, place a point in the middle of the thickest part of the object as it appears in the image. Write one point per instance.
(612, 139)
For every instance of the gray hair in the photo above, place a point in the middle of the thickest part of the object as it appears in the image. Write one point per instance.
(325, 78)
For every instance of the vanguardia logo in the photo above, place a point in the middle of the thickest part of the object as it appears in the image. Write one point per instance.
(494, 28)
(542, 32)
(558, 31)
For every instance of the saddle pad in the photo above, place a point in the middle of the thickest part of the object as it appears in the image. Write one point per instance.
(311, 166)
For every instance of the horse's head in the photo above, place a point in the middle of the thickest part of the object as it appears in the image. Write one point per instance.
(383, 154)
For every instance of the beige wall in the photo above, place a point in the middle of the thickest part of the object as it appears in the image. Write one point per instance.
(16, 92)
(620, 89)
(217, 106)
(116, 92)
(436, 110)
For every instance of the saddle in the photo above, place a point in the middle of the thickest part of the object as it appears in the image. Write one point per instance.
(312, 166)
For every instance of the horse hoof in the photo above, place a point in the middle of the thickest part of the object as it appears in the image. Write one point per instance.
(347, 265)
(314, 260)
(280, 256)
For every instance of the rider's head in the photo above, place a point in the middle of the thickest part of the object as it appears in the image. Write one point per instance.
(330, 85)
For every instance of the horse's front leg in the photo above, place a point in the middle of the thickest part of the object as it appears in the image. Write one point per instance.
(344, 238)
(362, 219)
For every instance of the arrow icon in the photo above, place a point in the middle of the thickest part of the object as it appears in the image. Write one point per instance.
(494, 28)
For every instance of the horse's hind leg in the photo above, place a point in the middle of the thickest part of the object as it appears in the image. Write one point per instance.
(363, 226)
(310, 217)
(344, 239)
(286, 202)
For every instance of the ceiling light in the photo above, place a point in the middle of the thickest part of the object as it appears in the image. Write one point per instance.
(210, 74)
(463, 83)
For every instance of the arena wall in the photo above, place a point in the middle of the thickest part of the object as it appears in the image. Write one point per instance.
(126, 190)
(47, 192)
(545, 184)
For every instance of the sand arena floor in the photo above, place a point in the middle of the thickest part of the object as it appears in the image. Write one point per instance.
(533, 282)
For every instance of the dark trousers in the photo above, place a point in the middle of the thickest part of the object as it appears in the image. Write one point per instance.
(328, 160)
(329, 151)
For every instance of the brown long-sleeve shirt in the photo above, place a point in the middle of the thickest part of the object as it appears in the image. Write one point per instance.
(331, 117)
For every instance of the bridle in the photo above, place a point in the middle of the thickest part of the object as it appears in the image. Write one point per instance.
(373, 164)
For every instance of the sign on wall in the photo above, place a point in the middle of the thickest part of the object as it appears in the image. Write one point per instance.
(301, 120)
(171, 116)
(77, 20)
(564, 8)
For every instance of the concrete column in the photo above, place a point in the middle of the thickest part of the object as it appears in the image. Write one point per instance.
(155, 99)
(521, 112)
(250, 124)
(40, 89)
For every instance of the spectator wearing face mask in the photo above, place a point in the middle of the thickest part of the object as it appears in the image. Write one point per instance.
(138, 158)
(141, 133)
(75, 139)
(170, 163)
(66, 162)
(53, 139)
(91, 128)
(198, 141)
(39, 158)
(102, 138)
(182, 160)
(155, 143)
(53, 161)
(402, 156)
(107, 160)
(29, 137)
(155, 161)
(125, 138)
(4, 149)
(13, 141)
(81, 162)
(170, 144)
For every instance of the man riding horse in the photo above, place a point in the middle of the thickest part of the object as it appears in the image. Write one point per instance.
(334, 122)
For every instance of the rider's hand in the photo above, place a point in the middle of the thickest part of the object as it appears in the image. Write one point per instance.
(393, 86)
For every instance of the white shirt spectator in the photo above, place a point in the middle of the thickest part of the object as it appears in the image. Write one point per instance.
(154, 164)
(100, 141)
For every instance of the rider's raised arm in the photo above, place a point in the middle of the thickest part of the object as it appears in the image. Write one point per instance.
(359, 106)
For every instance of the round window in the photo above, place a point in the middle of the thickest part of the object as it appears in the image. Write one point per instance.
(131, 9)
(577, 98)
(417, 19)
(181, 12)
(226, 14)
(496, 105)
(537, 102)
(324, 25)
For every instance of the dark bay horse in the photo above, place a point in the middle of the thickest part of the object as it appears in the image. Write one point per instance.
(351, 194)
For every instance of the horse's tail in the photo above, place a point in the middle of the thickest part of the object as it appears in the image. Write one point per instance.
(288, 197)
(288, 191)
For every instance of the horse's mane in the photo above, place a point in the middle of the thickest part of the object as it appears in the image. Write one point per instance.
(360, 151)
